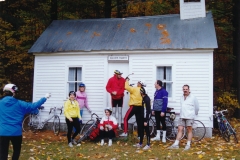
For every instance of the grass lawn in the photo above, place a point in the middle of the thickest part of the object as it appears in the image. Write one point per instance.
(45, 146)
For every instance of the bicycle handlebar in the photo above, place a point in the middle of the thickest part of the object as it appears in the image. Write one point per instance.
(94, 114)
(55, 108)
(220, 112)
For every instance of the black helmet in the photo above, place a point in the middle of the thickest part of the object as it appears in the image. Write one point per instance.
(72, 92)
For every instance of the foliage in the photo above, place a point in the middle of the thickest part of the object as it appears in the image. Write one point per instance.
(228, 101)
(49, 146)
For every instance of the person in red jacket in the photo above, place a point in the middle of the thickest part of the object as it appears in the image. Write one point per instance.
(108, 127)
(115, 87)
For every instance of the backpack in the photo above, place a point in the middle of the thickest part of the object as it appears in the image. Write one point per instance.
(95, 131)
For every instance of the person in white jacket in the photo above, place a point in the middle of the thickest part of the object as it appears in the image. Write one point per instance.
(189, 109)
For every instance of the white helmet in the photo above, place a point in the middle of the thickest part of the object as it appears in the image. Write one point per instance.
(142, 83)
(108, 109)
(10, 87)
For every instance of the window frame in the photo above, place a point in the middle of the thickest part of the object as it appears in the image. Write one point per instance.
(164, 80)
(67, 82)
(189, 1)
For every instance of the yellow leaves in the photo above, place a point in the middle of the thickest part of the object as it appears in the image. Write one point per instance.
(228, 101)
(69, 33)
(161, 26)
(80, 155)
(149, 25)
(132, 30)
(218, 149)
(200, 156)
(95, 34)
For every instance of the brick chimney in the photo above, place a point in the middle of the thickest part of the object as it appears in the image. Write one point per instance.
(192, 9)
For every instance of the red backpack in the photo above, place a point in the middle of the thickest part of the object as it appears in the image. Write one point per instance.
(95, 131)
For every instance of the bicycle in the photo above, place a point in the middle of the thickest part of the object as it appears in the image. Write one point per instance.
(224, 126)
(89, 127)
(198, 129)
(33, 121)
(152, 123)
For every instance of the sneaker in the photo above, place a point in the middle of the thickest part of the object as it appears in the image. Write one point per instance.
(74, 142)
(137, 145)
(70, 144)
(147, 147)
(102, 142)
(155, 139)
(187, 147)
(173, 147)
(123, 135)
(164, 140)
(110, 142)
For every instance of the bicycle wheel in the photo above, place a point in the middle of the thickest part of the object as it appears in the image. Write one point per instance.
(198, 130)
(56, 125)
(223, 130)
(86, 130)
(232, 131)
(30, 123)
(172, 131)
(152, 128)
(235, 137)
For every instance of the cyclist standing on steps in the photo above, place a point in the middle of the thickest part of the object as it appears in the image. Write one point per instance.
(189, 108)
(72, 114)
(159, 110)
(115, 87)
(12, 112)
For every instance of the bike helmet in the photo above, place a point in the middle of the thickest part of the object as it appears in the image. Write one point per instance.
(172, 116)
(82, 85)
(117, 72)
(142, 83)
(72, 92)
(10, 87)
(109, 110)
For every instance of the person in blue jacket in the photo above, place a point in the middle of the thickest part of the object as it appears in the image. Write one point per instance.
(12, 112)
(159, 110)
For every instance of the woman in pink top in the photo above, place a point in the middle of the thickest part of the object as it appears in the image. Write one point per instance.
(81, 97)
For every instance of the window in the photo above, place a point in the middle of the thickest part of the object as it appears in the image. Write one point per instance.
(192, 0)
(74, 78)
(164, 74)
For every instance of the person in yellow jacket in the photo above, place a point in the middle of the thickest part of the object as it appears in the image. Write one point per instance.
(135, 107)
(72, 114)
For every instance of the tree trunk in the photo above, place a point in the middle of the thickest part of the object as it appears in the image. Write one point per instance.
(108, 8)
(236, 49)
(54, 10)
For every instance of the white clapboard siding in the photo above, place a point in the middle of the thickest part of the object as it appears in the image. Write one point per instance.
(51, 74)
(194, 69)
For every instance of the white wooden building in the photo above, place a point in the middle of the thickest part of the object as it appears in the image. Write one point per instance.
(176, 50)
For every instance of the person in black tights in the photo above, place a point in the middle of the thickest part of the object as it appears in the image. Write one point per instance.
(72, 114)
(146, 103)
(159, 110)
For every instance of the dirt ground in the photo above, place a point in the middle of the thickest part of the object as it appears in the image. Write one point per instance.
(44, 135)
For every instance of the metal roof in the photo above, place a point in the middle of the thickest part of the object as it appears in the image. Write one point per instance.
(134, 33)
